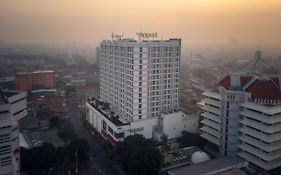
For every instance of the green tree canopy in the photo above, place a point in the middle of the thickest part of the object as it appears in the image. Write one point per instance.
(138, 156)
(164, 143)
(190, 139)
(38, 159)
(82, 147)
(54, 122)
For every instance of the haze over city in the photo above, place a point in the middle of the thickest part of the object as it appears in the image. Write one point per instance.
(140, 87)
(206, 22)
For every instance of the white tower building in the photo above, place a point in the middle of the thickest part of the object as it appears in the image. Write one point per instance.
(12, 109)
(242, 117)
(139, 80)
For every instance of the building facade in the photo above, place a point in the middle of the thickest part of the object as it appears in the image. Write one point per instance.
(12, 109)
(242, 118)
(139, 90)
(34, 80)
(8, 83)
(140, 79)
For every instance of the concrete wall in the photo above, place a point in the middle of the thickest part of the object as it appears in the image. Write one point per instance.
(174, 124)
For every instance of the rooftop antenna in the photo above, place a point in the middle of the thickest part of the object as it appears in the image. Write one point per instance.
(117, 37)
(257, 62)
(140, 35)
(258, 59)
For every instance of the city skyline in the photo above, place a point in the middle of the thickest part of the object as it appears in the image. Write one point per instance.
(206, 22)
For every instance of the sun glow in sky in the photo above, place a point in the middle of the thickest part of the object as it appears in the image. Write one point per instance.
(89, 21)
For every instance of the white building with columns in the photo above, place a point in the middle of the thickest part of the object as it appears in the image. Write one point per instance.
(242, 117)
(12, 109)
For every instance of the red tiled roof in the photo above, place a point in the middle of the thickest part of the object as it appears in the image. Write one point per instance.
(260, 88)
(264, 89)
(225, 82)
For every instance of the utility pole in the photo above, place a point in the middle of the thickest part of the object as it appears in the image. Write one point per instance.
(76, 156)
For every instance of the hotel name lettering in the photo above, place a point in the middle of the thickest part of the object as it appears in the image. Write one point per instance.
(147, 35)
(134, 130)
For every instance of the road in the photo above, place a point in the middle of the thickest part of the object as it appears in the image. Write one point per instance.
(100, 160)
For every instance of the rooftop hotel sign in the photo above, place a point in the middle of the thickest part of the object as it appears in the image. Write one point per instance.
(146, 35)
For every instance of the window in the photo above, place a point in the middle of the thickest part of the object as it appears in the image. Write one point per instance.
(141, 60)
(140, 55)
(119, 135)
(104, 125)
(140, 67)
(110, 130)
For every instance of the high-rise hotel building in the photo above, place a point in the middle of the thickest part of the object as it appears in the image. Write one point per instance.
(139, 80)
(242, 117)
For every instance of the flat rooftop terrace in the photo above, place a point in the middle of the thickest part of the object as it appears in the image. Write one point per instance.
(214, 166)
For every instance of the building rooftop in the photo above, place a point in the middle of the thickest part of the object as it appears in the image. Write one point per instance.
(145, 41)
(47, 93)
(7, 79)
(104, 109)
(233, 172)
(35, 72)
(8, 93)
(178, 158)
(260, 87)
(33, 138)
(216, 166)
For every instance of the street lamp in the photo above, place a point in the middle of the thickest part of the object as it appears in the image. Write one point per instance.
(76, 155)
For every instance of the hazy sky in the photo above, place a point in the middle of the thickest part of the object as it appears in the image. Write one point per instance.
(256, 22)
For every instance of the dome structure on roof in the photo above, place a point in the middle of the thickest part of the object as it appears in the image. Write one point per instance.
(199, 156)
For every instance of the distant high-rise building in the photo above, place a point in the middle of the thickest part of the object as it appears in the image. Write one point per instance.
(12, 109)
(140, 82)
(242, 118)
(34, 80)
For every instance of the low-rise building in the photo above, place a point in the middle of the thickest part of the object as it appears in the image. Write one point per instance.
(52, 100)
(27, 81)
(115, 128)
(8, 83)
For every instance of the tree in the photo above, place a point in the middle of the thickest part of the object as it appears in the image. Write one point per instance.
(54, 122)
(67, 135)
(82, 148)
(190, 139)
(164, 143)
(138, 156)
(38, 159)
